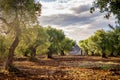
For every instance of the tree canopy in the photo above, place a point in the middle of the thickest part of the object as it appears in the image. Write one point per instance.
(55, 38)
(104, 43)
(109, 6)
(17, 14)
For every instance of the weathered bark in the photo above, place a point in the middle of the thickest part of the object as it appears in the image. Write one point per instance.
(62, 53)
(33, 53)
(112, 54)
(9, 63)
(104, 55)
(81, 52)
(16, 27)
(25, 54)
(92, 54)
(49, 55)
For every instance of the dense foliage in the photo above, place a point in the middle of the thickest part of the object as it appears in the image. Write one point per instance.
(17, 14)
(33, 41)
(66, 45)
(109, 6)
(39, 40)
(58, 42)
(108, 42)
(104, 43)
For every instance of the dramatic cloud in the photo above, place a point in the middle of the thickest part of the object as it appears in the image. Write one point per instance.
(81, 9)
(64, 20)
(73, 17)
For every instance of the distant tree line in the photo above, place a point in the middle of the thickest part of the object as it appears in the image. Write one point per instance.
(102, 43)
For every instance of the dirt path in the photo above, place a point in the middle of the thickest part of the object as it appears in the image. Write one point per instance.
(66, 68)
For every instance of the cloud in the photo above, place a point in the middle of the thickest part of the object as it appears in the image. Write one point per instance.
(78, 33)
(73, 17)
(81, 9)
(48, 0)
(51, 7)
(77, 27)
(64, 20)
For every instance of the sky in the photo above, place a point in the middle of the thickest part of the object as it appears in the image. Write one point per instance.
(73, 17)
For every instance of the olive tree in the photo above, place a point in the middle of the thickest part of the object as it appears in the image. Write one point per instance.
(17, 14)
(109, 6)
(66, 45)
(55, 38)
(32, 39)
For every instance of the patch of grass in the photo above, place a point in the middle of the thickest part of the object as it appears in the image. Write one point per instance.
(105, 67)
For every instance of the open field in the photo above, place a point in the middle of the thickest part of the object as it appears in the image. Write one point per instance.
(65, 68)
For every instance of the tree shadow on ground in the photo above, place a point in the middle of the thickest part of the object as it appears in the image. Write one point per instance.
(49, 69)
(57, 60)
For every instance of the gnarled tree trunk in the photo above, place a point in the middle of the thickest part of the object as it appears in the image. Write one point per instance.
(49, 55)
(104, 55)
(33, 53)
(16, 26)
(62, 53)
(9, 63)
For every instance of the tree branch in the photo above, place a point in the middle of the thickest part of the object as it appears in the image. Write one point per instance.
(4, 21)
(111, 26)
